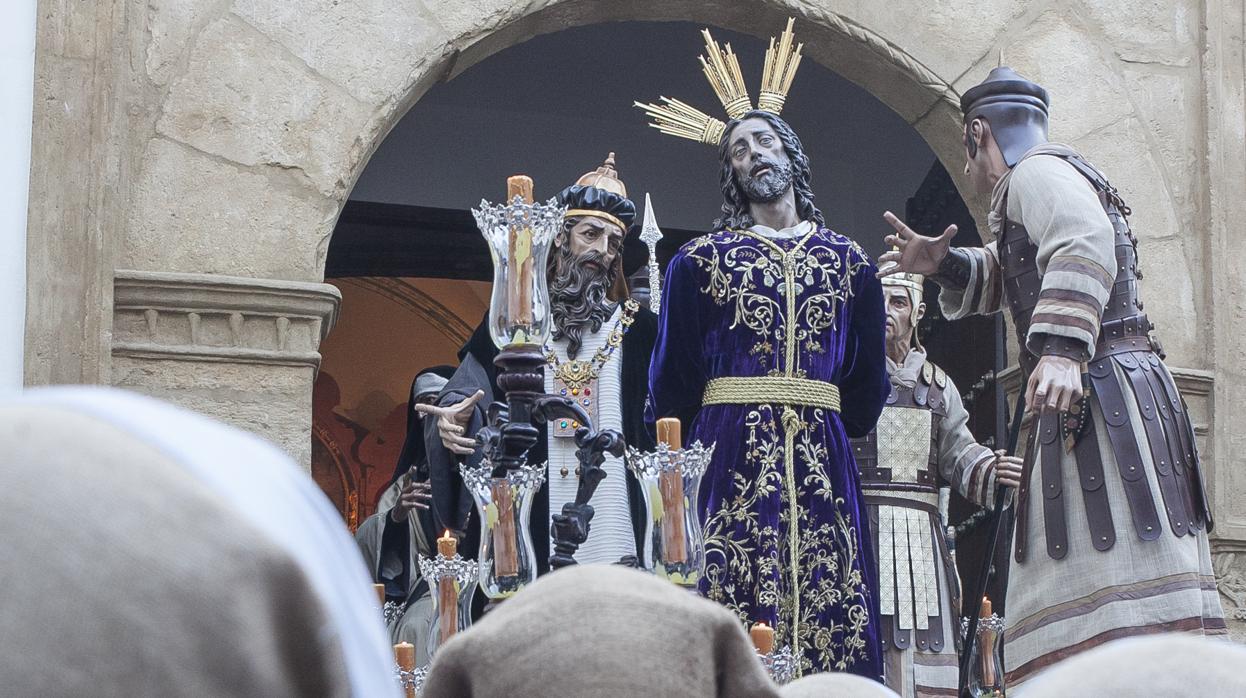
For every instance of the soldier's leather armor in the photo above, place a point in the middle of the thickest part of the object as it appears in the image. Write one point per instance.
(899, 473)
(1124, 344)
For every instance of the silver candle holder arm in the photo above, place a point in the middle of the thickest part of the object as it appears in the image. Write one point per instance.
(780, 664)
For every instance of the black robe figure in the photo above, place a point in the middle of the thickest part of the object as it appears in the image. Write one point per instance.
(391, 558)
(390, 547)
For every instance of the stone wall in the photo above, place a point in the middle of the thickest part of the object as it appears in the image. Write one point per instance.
(220, 138)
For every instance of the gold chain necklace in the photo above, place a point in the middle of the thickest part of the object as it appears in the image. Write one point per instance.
(577, 374)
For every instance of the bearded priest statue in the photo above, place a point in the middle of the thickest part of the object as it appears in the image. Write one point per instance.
(771, 345)
(598, 355)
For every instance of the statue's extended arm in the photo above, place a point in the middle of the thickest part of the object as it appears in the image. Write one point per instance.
(953, 271)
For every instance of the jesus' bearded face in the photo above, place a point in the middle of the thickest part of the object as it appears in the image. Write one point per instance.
(761, 164)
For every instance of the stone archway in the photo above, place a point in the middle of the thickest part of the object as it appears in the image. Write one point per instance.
(266, 113)
(192, 158)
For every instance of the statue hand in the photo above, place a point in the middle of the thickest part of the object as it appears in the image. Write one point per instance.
(413, 495)
(452, 421)
(1007, 469)
(1055, 384)
(916, 254)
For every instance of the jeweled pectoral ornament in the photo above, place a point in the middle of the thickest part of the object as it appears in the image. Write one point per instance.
(577, 380)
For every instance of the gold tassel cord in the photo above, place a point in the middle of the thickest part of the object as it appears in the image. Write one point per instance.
(792, 423)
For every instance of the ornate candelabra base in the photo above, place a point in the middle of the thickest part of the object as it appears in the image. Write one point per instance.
(504, 493)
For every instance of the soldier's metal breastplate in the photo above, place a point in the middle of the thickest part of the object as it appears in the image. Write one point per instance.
(898, 468)
(900, 455)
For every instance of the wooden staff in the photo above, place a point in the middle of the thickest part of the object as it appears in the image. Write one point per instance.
(671, 485)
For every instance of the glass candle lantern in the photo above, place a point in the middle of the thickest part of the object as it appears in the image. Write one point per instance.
(507, 561)
(670, 480)
(519, 234)
(986, 659)
(451, 581)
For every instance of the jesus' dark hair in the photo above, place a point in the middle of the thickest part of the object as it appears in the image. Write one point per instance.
(735, 203)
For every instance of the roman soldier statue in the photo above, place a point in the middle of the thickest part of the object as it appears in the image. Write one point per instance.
(770, 346)
(921, 442)
(1112, 515)
(598, 354)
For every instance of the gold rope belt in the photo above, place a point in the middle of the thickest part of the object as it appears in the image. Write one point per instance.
(771, 390)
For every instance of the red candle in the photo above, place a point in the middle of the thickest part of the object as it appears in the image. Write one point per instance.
(519, 185)
(986, 647)
(505, 537)
(447, 593)
(447, 545)
(669, 432)
(404, 655)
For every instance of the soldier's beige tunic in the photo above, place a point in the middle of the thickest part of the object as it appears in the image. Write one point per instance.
(915, 588)
(1057, 608)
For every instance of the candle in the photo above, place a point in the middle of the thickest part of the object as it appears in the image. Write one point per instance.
(404, 654)
(447, 545)
(668, 432)
(521, 186)
(763, 637)
(519, 280)
(986, 646)
(671, 485)
(447, 609)
(380, 593)
(505, 537)
(447, 592)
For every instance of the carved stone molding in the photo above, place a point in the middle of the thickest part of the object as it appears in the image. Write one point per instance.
(1228, 559)
(209, 317)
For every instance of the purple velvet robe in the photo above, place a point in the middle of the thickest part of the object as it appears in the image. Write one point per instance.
(738, 304)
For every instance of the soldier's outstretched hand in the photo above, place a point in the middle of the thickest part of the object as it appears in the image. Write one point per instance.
(452, 421)
(1007, 469)
(914, 254)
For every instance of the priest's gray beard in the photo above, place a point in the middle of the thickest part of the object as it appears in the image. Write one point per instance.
(577, 293)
